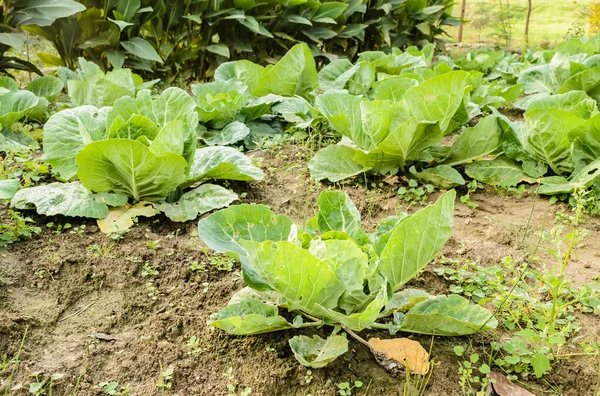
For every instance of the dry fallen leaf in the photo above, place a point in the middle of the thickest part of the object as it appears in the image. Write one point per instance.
(503, 387)
(122, 218)
(391, 180)
(395, 353)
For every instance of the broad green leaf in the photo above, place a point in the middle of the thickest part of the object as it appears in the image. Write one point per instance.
(16, 141)
(245, 71)
(335, 75)
(447, 316)
(170, 139)
(247, 317)
(142, 49)
(99, 89)
(317, 352)
(384, 230)
(222, 163)
(576, 102)
(415, 241)
(8, 188)
(581, 179)
(404, 300)
(15, 105)
(351, 266)
(546, 78)
(231, 133)
(548, 137)
(331, 10)
(133, 128)
(587, 81)
(15, 40)
(258, 107)
(7, 84)
(45, 12)
(441, 176)
(48, 87)
(220, 102)
(341, 74)
(379, 161)
(67, 132)
(223, 230)
(128, 167)
(540, 364)
(335, 163)
(587, 138)
(196, 202)
(410, 138)
(476, 142)
(303, 280)
(337, 212)
(67, 199)
(343, 111)
(392, 88)
(500, 171)
(360, 320)
(294, 74)
(173, 103)
(437, 99)
(219, 49)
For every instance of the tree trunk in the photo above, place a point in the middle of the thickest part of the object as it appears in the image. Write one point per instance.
(462, 17)
(529, 6)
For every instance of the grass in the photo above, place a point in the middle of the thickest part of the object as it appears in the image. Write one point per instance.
(550, 20)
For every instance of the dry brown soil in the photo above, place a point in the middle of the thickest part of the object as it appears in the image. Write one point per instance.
(64, 292)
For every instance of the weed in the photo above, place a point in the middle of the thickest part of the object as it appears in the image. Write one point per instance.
(149, 270)
(15, 362)
(232, 386)
(153, 245)
(467, 371)
(222, 262)
(166, 379)
(345, 388)
(414, 193)
(472, 187)
(112, 388)
(194, 345)
(102, 251)
(197, 267)
(308, 377)
(17, 228)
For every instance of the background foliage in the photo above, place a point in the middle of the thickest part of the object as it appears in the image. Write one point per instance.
(190, 37)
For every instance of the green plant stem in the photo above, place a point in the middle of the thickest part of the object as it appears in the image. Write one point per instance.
(16, 364)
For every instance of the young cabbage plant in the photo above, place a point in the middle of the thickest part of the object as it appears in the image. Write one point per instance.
(21, 105)
(140, 150)
(333, 273)
(559, 139)
(386, 136)
(89, 85)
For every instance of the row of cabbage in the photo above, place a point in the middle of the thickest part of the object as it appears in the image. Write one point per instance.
(111, 140)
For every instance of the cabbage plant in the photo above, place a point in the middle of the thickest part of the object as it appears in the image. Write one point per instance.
(20, 105)
(405, 134)
(141, 150)
(333, 273)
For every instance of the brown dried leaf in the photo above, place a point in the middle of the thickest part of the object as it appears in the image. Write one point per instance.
(122, 218)
(391, 180)
(503, 387)
(396, 353)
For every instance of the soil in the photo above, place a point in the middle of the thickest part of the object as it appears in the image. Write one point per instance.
(89, 311)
